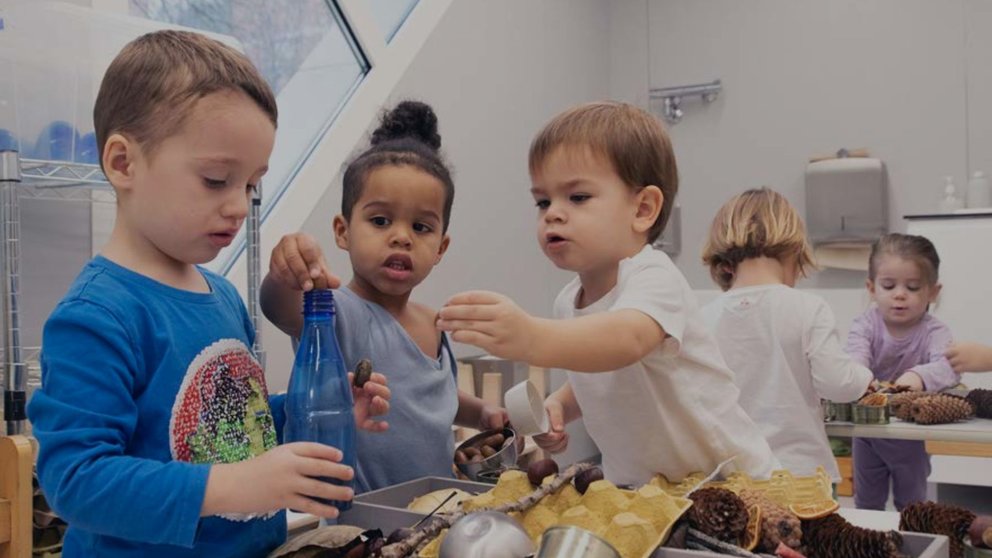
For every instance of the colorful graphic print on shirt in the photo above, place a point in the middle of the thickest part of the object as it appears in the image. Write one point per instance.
(221, 414)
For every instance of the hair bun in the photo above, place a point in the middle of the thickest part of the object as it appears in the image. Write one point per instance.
(409, 119)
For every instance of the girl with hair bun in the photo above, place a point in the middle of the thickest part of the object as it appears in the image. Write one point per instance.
(395, 210)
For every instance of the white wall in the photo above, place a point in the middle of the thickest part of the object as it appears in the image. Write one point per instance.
(978, 45)
(803, 77)
(494, 72)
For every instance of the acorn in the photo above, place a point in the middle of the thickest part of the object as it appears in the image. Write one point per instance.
(980, 531)
(587, 477)
(363, 371)
(538, 470)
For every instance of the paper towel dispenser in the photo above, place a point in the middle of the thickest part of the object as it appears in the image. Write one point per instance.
(846, 200)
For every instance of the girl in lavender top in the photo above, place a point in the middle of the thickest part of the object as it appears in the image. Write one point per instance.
(899, 341)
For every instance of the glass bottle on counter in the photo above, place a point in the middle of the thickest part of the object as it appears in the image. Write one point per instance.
(319, 405)
(950, 202)
(979, 192)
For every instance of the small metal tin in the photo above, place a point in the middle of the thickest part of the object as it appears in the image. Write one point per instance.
(836, 412)
(870, 414)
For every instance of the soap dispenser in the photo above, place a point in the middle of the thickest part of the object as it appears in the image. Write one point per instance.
(950, 202)
(978, 191)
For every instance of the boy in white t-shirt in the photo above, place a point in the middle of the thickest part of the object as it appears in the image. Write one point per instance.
(781, 342)
(644, 372)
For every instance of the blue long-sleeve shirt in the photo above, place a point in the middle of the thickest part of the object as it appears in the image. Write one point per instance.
(144, 386)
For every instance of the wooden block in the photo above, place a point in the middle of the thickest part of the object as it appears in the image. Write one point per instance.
(967, 449)
(846, 466)
(846, 485)
(16, 490)
(492, 388)
(845, 488)
(466, 381)
(539, 377)
(4, 521)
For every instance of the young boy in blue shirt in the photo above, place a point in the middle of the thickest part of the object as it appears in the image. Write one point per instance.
(157, 437)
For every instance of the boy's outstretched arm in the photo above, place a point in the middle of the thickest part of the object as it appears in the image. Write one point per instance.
(595, 343)
(297, 265)
(970, 357)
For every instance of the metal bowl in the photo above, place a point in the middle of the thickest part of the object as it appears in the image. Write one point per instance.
(971, 552)
(486, 534)
(489, 468)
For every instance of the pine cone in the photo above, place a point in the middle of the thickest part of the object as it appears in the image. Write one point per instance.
(901, 404)
(778, 524)
(941, 409)
(719, 513)
(938, 519)
(833, 537)
(982, 400)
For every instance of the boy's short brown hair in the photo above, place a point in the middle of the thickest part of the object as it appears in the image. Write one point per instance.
(633, 141)
(756, 223)
(155, 80)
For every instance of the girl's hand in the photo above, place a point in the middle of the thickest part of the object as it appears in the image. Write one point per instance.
(910, 379)
(555, 441)
(286, 476)
(969, 357)
(298, 263)
(489, 321)
(371, 400)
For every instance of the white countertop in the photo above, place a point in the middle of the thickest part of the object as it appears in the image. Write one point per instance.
(974, 430)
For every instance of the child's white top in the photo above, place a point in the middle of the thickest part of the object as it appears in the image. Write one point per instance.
(675, 411)
(783, 347)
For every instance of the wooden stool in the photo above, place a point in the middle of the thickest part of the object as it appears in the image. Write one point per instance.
(16, 464)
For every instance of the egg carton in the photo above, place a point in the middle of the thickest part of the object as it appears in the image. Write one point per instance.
(782, 486)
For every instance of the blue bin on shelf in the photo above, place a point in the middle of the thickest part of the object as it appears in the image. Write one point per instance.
(8, 142)
(57, 142)
(86, 150)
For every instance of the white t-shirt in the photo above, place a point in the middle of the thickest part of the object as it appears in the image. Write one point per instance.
(674, 411)
(783, 347)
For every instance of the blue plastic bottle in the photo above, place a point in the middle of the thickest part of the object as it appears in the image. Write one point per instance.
(319, 406)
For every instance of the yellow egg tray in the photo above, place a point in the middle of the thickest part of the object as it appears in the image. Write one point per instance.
(635, 522)
(782, 487)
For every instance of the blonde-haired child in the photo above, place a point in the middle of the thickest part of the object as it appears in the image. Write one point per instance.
(644, 372)
(781, 342)
(900, 341)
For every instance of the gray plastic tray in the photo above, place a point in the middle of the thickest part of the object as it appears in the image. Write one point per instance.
(916, 545)
(386, 508)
